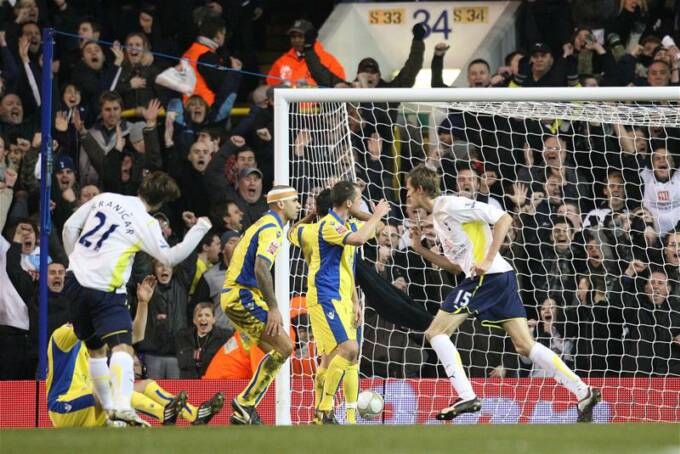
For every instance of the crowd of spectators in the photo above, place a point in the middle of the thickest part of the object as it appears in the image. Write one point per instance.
(596, 241)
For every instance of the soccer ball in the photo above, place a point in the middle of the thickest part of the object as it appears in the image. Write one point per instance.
(370, 404)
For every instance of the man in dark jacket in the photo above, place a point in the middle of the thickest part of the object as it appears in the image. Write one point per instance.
(57, 306)
(368, 71)
(113, 157)
(653, 319)
(209, 286)
(540, 69)
(249, 197)
(378, 118)
(167, 317)
(190, 174)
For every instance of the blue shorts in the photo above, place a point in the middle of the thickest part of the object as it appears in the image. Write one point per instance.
(98, 317)
(493, 299)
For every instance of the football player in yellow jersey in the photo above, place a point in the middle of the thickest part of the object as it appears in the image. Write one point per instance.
(249, 301)
(70, 398)
(303, 235)
(332, 302)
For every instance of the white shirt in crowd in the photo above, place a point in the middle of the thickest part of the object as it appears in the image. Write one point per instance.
(13, 310)
(662, 200)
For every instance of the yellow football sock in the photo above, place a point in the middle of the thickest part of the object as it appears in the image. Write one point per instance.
(319, 378)
(336, 371)
(144, 404)
(157, 394)
(264, 375)
(161, 396)
(350, 388)
(189, 412)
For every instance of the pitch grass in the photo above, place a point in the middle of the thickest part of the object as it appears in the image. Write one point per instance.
(480, 439)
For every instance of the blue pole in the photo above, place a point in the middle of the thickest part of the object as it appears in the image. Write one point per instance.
(45, 189)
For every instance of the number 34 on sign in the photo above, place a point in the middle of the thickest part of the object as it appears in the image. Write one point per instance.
(434, 21)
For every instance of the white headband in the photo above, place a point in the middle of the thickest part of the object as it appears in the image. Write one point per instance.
(279, 195)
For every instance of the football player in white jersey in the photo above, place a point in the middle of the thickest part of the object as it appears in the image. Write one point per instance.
(489, 291)
(101, 239)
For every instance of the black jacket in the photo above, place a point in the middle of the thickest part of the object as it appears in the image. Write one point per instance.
(186, 344)
(195, 195)
(405, 78)
(650, 348)
(171, 300)
(564, 72)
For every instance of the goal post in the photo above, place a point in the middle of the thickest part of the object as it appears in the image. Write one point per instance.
(316, 141)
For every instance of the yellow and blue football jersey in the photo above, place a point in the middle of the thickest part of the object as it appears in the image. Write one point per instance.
(332, 264)
(241, 299)
(70, 400)
(262, 239)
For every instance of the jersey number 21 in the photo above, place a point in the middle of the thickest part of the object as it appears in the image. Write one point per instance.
(88, 237)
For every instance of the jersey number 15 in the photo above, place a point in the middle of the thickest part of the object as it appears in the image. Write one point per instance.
(88, 237)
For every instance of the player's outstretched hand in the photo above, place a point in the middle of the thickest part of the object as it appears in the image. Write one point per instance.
(382, 208)
(274, 323)
(189, 218)
(146, 288)
(205, 222)
(481, 268)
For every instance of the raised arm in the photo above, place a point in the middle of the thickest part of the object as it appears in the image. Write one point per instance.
(145, 291)
(414, 62)
(6, 195)
(367, 231)
(322, 74)
(429, 255)
(437, 66)
(155, 245)
(292, 231)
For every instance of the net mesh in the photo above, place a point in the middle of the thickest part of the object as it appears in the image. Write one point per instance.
(594, 192)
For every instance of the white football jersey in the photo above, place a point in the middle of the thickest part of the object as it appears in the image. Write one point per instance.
(462, 227)
(662, 200)
(103, 236)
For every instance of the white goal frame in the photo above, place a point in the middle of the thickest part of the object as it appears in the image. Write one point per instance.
(284, 97)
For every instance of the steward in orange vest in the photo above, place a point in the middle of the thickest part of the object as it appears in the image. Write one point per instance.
(291, 67)
(205, 50)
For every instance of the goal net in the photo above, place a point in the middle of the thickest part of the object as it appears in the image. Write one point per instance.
(590, 177)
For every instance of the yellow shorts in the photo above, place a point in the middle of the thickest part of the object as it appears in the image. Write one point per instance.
(76, 411)
(247, 310)
(332, 324)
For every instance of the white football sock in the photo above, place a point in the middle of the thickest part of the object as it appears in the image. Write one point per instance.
(450, 358)
(122, 380)
(546, 359)
(101, 381)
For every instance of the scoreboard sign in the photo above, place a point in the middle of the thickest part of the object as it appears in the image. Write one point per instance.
(394, 16)
(474, 28)
(434, 21)
(471, 15)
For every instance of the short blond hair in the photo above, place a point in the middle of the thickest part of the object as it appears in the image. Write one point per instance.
(422, 176)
